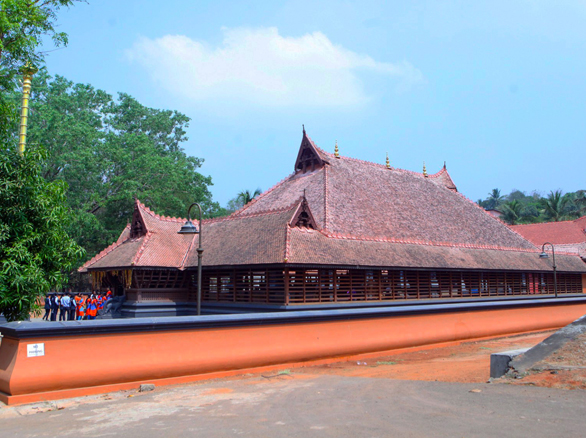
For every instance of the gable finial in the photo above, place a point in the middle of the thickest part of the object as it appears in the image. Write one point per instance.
(303, 126)
(424, 169)
(444, 164)
(388, 163)
(336, 150)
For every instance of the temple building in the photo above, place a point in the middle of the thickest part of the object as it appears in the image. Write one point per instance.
(336, 232)
(567, 236)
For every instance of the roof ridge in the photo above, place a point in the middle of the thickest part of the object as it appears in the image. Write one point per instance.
(383, 166)
(495, 218)
(550, 222)
(102, 254)
(262, 195)
(158, 216)
(439, 173)
(182, 266)
(423, 242)
(287, 243)
(127, 227)
(138, 254)
(326, 198)
(260, 213)
(371, 163)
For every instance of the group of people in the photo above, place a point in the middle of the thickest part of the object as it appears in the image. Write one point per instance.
(73, 306)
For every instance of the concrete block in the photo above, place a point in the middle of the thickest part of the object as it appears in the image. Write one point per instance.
(499, 362)
(146, 387)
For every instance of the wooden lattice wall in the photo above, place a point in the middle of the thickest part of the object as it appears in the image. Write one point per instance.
(302, 286)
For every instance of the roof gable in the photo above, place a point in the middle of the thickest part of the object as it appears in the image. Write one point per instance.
(308, 157)
(303, 217)
(443, 178)
(137, 225)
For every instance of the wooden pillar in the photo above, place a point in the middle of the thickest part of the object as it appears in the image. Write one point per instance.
(286, 278)
(335, 285)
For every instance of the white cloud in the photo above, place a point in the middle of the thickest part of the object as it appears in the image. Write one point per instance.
(260, 66)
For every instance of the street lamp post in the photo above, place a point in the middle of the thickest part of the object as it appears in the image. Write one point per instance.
(544, 255)
(191, 228)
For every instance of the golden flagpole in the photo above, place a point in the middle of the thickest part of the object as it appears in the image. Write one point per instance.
(28, 72)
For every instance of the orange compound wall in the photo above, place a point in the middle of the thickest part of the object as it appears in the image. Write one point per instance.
(79, 365)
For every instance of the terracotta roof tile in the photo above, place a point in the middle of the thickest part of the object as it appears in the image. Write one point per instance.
(565, 235)
(366, 215)
(313, 247)
(369, 200)
(563, 232)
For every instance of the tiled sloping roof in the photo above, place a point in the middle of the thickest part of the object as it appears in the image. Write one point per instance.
(251, 239)
(369, 200)
(161, 246)
(120, 256)
(164, 247)
(574, 248)
(288, 192)
(313, 247)
(555, 232)
(366, 215)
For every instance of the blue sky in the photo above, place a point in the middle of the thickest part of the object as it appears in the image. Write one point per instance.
(495, 88)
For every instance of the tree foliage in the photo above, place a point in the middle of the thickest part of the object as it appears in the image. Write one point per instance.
(241, 199)
(35, 250)
(23, 24)
(111, 151)
(517, 207)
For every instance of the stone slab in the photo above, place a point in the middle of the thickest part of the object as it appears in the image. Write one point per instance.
(526, 361)
(499, 362)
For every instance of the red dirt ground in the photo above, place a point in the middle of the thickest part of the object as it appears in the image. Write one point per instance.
(467, 362)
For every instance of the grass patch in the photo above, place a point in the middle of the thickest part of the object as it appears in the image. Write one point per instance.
(284, 373)
(386, 362)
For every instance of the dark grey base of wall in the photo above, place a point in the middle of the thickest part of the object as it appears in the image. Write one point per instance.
(148, 310)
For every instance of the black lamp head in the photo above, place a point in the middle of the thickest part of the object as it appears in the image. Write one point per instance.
(543, 255)
(188, 228)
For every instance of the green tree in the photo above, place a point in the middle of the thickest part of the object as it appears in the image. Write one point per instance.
(246, 196)
(111, 151)
(580, 202)
(555, 206)
(241, 199)
(494, 199)
(23, 24)
(35, 250)
(512, 212)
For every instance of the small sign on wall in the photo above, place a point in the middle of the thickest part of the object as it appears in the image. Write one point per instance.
(35, 350)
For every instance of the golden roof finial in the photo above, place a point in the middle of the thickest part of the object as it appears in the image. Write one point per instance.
(424, 169)
(336, 150)
(388, 162)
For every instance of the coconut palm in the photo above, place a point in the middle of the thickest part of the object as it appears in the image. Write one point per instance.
(245, 196)
(555, 206)
(580, 202)
(494, 199)
(512, 212)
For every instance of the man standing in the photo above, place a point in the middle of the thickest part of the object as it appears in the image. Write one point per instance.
(47, 307)
(72, 307)
(65, 300)
(54, 307)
